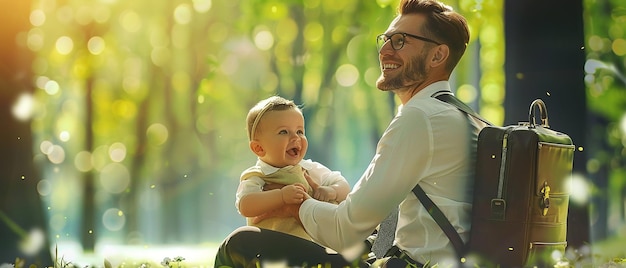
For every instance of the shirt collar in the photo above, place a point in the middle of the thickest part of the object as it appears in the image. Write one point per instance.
(431, 89)
(269, 169)
(428, 91)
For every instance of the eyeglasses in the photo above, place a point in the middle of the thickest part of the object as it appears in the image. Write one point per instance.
(397, 40)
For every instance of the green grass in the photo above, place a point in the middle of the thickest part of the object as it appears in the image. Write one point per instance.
(610, 253)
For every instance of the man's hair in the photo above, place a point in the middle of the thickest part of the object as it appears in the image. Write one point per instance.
(273, 103)
(443, 24)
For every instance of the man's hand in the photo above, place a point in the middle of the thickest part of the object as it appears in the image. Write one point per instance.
(285, 211)
(314, 185)
(325, 193)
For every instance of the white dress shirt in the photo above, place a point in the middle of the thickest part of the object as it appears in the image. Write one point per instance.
(428, 142)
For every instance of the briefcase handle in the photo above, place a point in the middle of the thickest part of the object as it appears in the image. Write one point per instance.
(542, 109)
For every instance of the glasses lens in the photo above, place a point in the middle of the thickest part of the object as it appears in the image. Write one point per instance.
(397, 41)
(380, 41)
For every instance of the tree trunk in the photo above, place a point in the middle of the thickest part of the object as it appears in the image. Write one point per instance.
(88, 219)
(21, 208)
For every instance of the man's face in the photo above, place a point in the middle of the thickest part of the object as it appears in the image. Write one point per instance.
(405, 67)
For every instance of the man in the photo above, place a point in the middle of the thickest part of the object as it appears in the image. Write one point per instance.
(428, 142)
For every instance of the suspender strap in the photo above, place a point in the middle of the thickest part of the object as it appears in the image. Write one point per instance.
(441, 220)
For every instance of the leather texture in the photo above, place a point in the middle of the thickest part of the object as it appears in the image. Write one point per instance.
(521, 194)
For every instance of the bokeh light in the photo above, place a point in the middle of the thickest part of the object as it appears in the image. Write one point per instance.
(157, 134)
(52, 87)
(114, 178)
(130, 21)
(96, 45)
(44, 187)
(264, 40)
(347, 75)
(37, 17)
(182, 14)
(202, 6)
(113, 219)
(117, 152)
(56, 154)
(23, 108)
(64, 136)
(65, 45)
(579, 189)
(35, 39)
(82, 161)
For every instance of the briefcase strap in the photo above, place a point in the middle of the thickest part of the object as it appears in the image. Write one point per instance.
(433, 210)
(446, 96)
(442, 221)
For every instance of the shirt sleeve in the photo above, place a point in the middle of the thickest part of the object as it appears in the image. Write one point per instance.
(403, 153)
(250, 185)
(322, 174)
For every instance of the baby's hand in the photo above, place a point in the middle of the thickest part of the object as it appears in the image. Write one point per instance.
(293, 194)
(325, 193)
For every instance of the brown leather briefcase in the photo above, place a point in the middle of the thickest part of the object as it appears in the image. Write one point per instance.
(521, 193)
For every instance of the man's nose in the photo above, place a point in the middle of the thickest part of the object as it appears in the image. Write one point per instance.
(386, 48)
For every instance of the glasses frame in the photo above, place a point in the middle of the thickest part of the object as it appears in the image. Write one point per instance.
(385, 38)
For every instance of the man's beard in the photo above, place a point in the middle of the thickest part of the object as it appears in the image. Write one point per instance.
(414, 73)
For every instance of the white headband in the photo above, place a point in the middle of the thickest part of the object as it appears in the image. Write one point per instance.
(257, 119)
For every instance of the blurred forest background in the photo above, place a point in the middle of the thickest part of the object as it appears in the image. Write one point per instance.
(124, 120)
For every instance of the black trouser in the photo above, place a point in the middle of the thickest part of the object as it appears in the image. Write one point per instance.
(253, 247)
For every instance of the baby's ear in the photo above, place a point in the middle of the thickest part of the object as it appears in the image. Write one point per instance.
(257, 148)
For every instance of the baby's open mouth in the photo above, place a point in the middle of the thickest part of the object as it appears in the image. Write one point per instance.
(293, 152)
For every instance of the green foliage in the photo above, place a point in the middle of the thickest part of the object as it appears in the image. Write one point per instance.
(605, 46)
(171, 83)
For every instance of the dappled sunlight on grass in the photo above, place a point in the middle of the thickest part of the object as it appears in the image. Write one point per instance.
(138, 255)
(605, 254)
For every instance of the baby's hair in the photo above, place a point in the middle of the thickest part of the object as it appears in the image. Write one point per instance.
(273, 103)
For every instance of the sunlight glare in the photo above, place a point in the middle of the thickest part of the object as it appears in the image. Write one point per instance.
(64, 45)
(117, 152)
(51, 87)
(182, 14)
(619, 47)
(201, 6)
(57, 154)
(96, 45)
(64, 136)
(44, 187)
(82, 161)
(45, 147)
(579, 191)
(37, 17)
(131, 21)
(113, 219)
(35, 39)
(264, 40)
(157, 134)
(23, 108)
(347, 75)
(114, 178)
(32, 243)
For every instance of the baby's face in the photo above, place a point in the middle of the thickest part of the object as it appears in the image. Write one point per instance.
(281, 134)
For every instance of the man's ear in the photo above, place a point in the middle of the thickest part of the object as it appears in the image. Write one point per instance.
(257, 148)
(440, 55)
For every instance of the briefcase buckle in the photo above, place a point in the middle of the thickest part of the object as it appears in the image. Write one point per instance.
(545, 198)
(498, 209)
